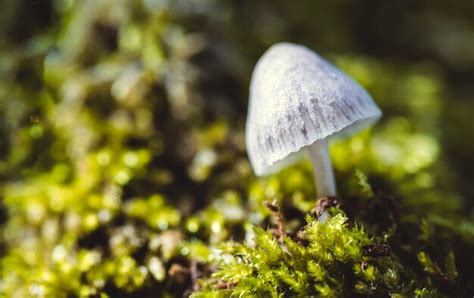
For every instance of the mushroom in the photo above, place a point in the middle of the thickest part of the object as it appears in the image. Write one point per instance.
(298, 102)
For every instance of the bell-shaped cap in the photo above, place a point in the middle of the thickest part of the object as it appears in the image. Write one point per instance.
(297, 98)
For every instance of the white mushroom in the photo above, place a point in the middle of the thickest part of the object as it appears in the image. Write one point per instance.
(297, 101)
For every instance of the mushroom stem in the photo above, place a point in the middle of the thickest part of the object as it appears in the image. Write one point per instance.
(322, 168)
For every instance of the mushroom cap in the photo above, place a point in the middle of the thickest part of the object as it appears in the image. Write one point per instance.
(297, 98)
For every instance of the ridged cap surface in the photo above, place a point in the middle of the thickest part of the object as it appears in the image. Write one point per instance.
(297, 98)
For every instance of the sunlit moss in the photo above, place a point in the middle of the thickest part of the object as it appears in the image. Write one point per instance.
(153, 211)
(272, 269)
(124, 166)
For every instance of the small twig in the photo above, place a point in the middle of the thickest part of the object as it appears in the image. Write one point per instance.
(194, 275)
(324, 203)
(279, 230)
(225, 285)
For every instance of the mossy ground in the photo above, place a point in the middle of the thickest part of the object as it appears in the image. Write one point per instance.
(123, 166)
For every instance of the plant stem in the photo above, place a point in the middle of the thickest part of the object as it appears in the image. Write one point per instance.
(322, 168)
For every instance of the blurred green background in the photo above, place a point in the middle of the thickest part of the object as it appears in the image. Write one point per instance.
(122, 131)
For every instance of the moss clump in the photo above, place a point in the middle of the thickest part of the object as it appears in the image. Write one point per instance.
(330, 259)
(317, 263)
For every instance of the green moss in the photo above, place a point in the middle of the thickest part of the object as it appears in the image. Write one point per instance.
(326, 259)
(123, 168)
